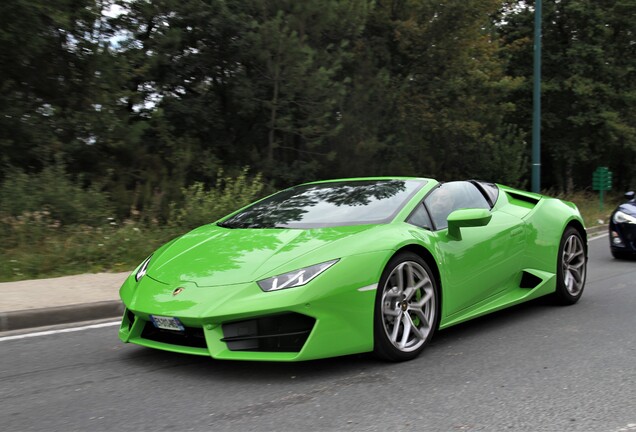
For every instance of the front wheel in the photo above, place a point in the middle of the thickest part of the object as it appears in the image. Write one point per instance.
(571, 267)
(406, 308)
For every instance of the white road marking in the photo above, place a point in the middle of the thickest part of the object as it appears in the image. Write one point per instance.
(66, 330)
(598, 237)
(629, 427)
(368, 288)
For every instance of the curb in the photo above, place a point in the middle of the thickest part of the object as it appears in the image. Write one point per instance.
(17, 320)
(598, 229)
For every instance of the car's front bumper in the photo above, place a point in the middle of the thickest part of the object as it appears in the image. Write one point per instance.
(623, 238)
(330, 316)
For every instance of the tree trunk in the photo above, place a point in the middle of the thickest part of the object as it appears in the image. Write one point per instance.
(274, 109)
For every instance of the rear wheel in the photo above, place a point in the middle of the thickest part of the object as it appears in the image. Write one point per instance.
(571, 267)
(406, 308)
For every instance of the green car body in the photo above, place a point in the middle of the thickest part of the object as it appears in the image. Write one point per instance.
(210, 279)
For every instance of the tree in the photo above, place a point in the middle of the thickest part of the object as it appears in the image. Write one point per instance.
(588, 87)
(47, 79)
(438, 73)
(236, 83)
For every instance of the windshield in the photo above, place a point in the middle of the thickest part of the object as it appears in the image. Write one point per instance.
(328, 205)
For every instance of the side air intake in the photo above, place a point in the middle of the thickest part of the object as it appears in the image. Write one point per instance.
(529, 199)
(529, 280)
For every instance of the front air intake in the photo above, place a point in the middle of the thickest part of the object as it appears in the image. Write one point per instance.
(190, 337)
(275, 333)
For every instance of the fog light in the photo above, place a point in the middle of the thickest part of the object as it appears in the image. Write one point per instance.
(616, 240)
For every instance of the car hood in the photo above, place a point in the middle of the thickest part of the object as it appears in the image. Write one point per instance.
(628, 207)
(212, 255)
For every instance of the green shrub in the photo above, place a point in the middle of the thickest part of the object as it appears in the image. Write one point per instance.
(50, 226)
(52, 192)
(201, 206)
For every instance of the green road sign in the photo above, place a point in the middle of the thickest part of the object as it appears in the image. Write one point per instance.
(602, 179)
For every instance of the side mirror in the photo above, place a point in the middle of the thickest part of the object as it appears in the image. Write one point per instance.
(466, 218)
(629, 195)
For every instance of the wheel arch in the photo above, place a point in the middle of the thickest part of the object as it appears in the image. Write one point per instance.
(427, 256)
(577, 225)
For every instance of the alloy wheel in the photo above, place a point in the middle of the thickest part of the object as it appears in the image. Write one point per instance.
(573, 265)
(408, 306)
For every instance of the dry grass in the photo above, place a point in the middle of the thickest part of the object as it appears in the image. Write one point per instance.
(589, 206)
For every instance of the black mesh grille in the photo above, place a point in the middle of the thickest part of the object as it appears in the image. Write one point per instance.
(191, 337)
(276, 333)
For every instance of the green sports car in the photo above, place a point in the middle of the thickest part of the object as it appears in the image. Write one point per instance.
(356, 265)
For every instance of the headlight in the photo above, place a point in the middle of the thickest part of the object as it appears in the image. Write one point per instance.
(142, 270)
(296, 278)
(620, 217)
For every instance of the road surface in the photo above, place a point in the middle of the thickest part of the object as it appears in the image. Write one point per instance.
(536, 367)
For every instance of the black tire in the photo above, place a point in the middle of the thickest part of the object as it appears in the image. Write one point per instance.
(571, 267)
(422, 308)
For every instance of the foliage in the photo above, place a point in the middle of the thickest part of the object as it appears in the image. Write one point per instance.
(588, 87)
(201, 206)
(162, 94)
(51, 64)
(127, 108)
(53, 194)
(35, 245)
(53, 226)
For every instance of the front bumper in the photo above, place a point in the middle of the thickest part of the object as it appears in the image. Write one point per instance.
(623, 237)
(330, 316)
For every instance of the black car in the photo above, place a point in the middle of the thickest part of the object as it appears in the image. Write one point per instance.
(623, 229)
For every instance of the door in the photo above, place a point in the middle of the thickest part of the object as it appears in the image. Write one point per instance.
(486, 260)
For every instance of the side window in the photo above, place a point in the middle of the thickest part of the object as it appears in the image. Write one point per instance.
(450, 197)
(420, 218)
(490, 190)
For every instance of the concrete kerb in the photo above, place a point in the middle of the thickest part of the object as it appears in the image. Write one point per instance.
(17, 320)
(23, 319)
(596, 230)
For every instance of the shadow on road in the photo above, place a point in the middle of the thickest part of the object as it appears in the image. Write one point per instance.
(266, 372)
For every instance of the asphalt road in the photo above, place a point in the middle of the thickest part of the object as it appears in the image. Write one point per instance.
(535, 367)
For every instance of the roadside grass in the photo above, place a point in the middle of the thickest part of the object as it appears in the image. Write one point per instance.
(34, 245)
(37, 249)
(588, 203)
(48, 233)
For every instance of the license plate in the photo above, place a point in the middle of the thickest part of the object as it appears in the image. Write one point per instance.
(167, 323)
